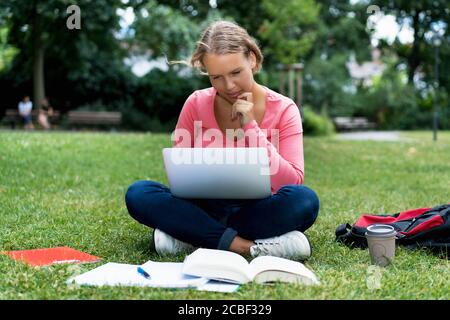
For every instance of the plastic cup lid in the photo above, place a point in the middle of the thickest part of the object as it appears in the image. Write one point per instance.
(380, 230)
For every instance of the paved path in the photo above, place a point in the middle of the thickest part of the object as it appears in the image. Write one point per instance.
(371, 135)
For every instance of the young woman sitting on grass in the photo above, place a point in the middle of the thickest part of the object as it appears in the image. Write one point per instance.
(270, 226)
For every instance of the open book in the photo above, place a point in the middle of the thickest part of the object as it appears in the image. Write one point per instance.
(231, 267)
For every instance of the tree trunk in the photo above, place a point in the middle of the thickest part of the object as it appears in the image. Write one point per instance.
(291, 82)
(299, 89)
(38, 76)
(38, 63)
(414, 57)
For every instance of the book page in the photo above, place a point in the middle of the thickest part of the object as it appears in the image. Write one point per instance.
(110, 274)
(218, 286)
(281, 265)
(163, 274)
(217, 264)
(169, 275)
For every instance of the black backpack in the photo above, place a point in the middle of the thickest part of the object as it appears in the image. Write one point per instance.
(416, 228)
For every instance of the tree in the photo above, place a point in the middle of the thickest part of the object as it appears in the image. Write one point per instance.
(164, 32)
(325, 81)
(7, 52)
(341, 30)
(291, 30)
(424, 17)
(341, 33)
(39, 29)
(195, 10)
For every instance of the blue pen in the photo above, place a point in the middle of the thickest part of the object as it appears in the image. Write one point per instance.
(143, 273)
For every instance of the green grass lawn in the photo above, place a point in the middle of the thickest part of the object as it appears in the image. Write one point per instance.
(67, 189)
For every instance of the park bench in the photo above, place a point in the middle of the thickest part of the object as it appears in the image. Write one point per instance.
(352, 123)
(94, 118)
(13, 118)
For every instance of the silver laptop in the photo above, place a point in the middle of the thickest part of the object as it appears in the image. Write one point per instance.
(218, 173)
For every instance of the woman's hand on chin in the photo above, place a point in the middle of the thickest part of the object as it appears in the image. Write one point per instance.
(242, 109)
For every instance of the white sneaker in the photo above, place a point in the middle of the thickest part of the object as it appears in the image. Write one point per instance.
(291, 245)
(165, 244)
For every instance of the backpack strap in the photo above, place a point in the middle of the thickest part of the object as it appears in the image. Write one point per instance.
(351, 236)
(342, 230)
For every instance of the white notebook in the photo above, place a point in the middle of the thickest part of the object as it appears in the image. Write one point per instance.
(163, 275)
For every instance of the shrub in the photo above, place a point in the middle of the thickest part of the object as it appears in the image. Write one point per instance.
(158, 100)
(316, 124)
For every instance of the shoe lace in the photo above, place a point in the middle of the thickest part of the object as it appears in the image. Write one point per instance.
(268, 245)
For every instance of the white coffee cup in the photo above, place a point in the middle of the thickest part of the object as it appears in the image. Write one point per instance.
(381, 242)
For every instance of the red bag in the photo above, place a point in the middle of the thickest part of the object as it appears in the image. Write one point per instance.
(416, 228)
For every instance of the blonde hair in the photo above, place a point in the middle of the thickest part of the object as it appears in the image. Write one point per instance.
(224, 37)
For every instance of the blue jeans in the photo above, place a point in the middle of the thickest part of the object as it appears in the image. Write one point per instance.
(215, 223)
(27, 119)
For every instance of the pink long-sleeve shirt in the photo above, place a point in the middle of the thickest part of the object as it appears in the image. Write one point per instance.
(280, 131)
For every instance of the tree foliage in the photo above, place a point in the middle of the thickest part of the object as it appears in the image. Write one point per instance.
(291, 30)
(164, 31)
(82, 58)
(425, 18)
(7, 51)
(85, 68)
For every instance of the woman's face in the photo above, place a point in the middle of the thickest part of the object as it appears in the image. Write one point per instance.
(230, 74)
